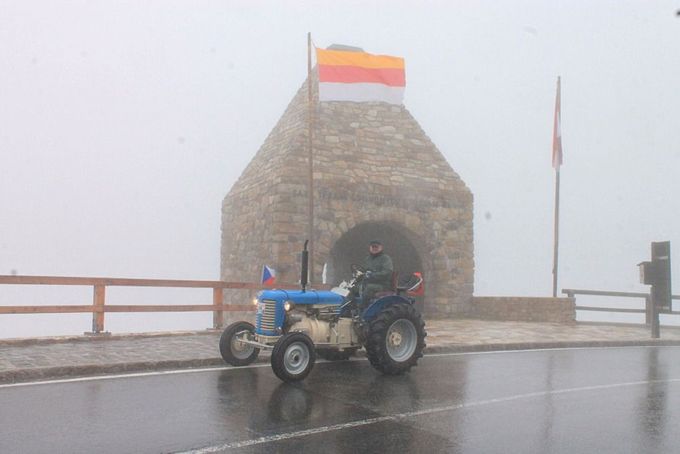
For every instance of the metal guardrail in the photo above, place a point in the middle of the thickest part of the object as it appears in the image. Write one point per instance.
(571, 293)
(99, 307)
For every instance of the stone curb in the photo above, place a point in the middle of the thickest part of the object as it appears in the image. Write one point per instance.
(88, 370)
(471, 348)
(26, 342)
(61, 372)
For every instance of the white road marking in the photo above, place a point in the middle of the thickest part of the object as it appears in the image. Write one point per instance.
(129, 375)
(253, 366)
(400, 416)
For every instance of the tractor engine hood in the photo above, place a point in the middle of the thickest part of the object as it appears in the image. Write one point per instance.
(300, 297)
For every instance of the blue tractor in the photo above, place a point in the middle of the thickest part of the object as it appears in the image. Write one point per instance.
(298, 325)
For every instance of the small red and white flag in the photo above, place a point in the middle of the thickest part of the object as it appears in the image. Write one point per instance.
(268, 275)
(557, 132)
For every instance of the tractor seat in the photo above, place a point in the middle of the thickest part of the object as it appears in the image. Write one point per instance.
(412, 284)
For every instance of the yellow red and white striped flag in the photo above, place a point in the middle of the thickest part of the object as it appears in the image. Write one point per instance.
(557, 131)
(359, 76)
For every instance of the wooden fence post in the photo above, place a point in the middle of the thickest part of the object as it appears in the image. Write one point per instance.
(218, 297)
(648, 310)
(98, 309)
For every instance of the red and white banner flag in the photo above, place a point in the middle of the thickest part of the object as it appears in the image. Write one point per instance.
(557, 132)
(359, 76)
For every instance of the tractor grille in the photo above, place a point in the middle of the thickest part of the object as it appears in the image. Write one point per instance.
(268, 320)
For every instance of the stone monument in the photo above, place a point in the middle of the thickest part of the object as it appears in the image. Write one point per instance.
(376, 176)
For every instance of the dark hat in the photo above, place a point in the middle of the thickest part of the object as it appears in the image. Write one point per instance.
(372, 242)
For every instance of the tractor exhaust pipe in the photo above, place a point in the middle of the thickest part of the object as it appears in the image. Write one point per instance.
(305, 265)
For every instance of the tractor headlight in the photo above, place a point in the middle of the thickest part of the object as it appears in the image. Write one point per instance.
(288, 306)
(254, 301)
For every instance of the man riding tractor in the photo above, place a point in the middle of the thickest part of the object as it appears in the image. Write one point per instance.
(379, 272)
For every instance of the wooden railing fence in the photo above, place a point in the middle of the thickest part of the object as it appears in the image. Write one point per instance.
(99, 307)
(571, 293)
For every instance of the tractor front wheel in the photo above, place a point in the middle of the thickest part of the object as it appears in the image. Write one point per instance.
(293, 357)
(396, 339)
(232, 350)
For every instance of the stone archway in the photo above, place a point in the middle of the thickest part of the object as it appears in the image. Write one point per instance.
(352, 247)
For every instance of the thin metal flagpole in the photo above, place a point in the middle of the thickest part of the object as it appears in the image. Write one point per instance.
(557, 163)
(310, 189)
(556, 230)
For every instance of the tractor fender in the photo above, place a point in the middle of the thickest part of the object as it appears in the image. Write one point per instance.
(381, 303)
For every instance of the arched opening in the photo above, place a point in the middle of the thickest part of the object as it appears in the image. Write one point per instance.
(352, 247)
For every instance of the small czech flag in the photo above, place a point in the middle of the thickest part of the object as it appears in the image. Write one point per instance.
(268, 275)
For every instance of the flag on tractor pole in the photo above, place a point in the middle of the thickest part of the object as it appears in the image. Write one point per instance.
(268, 275)
(324, 274)
(557, 131)
(346, 75)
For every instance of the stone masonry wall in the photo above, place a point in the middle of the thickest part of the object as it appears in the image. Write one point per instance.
(527, 309)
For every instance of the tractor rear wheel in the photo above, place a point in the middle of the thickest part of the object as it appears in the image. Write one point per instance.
(293, 357)
(232, 350)
(396, 339)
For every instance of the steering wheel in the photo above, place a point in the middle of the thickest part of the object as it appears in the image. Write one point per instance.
(357, 269)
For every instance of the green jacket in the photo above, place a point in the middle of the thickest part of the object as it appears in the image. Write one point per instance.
(381, 268)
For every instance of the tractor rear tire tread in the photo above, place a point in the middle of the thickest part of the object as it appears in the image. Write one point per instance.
(376, 343)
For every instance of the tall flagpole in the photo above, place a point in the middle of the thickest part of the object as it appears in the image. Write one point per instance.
(310, 189)
(556, 230)
(557, 163)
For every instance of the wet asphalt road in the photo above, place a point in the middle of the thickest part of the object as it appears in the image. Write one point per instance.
(618, 400)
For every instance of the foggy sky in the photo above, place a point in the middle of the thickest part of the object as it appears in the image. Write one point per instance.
(124, 124)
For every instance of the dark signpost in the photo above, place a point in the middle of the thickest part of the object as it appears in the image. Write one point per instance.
(657, 273)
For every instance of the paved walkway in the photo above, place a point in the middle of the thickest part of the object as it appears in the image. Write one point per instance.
(37, 359)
